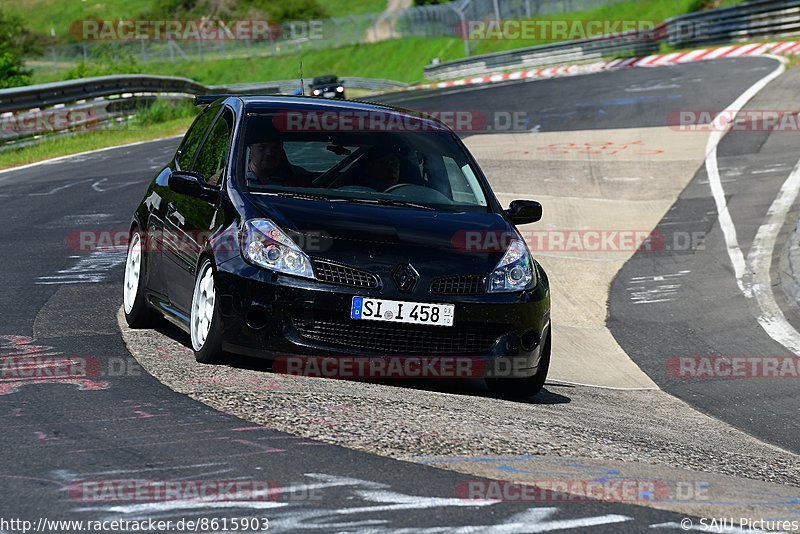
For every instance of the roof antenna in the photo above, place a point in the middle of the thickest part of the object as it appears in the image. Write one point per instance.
(302, 91)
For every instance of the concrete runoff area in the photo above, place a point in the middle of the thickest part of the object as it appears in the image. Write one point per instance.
(615, 180)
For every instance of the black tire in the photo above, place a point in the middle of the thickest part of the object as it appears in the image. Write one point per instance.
(138, 313)
(210, 350)
(524, 388)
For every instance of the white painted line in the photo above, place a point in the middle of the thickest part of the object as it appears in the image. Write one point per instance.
(759, 260)
(712, 169)
(557, 382)
(753, 275)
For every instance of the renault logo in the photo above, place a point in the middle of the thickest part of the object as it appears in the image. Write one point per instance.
(405, 276)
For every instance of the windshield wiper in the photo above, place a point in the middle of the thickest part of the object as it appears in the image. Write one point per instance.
(392, 202)
(305, 196)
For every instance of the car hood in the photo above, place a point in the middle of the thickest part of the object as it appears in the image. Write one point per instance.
(360, 234)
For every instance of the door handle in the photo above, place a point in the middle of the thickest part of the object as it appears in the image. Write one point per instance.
(172, 211)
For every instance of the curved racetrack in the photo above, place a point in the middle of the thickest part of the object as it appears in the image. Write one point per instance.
(374, 457)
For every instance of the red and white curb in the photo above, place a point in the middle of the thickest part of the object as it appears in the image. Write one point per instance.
(657, 60)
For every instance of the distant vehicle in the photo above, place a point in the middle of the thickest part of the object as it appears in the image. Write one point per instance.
(266, 241)
(327, 87)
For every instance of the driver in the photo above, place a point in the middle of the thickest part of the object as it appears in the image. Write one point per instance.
(382, 168)
(268, 164)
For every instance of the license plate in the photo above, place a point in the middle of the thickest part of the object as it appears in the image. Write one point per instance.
(394, 311)
(328, 94)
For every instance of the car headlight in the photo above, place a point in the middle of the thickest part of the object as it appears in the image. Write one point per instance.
(316, 92)
(515, 271)
(265, 245)
(340, 89)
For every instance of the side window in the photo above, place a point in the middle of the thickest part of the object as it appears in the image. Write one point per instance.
(194, 136)
(464, 183)
(211, 158)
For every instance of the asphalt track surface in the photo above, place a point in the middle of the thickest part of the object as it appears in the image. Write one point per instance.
(121, 423)
(709, 315)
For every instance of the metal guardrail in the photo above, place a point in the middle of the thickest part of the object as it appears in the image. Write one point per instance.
(289, 86)
(26, 112)
(750, 20)
(545, 56)
(50, 94)
(757, 19)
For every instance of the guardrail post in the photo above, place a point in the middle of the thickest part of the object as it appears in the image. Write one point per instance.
(337, 32)
(464, 29)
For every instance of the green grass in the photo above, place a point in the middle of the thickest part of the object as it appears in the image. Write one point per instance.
(159, 120)
(43, 15)
(162, 111)
(401, 59)
(342, 8)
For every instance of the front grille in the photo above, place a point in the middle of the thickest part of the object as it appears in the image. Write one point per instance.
(397, 338)
(470, 284)
(347, 276)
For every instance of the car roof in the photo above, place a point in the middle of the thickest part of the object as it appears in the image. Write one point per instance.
(269, 103)
(329, 78)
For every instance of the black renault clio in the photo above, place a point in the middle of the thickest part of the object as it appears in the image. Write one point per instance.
(295, 226)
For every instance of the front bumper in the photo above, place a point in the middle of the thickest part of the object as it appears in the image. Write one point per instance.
(269, 315)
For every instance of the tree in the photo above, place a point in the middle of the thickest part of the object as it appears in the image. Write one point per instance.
(12, 72)
(15, 41)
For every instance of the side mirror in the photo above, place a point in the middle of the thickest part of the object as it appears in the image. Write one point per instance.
(192, 184)
(524, 211)
(341, 82)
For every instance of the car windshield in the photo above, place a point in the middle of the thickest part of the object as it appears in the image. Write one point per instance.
(323, 80)
(371, 157)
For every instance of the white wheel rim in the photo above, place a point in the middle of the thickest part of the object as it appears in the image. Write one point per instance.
(133, 270)
(202, 307)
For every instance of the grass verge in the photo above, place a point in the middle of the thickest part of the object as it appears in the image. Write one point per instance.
(397, 59)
